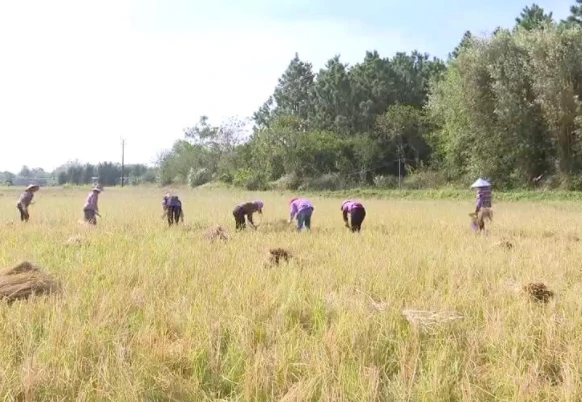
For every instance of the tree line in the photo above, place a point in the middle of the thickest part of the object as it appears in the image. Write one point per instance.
(75, 173)
(505, 106)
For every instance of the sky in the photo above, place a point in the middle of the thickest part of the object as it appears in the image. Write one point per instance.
(77, 76)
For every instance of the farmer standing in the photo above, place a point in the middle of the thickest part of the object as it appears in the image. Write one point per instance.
(302, 209)
(483, 199)
(246, 210)
(357, 214)
(25, 200)
(91, 207)
(173, 207)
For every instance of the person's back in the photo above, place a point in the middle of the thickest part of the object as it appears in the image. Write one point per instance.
(174, 201)
(301, 208)
(25, 198)
(357, 212)
(300, 204)
(484, 198)
(91, 201)
(248, 208)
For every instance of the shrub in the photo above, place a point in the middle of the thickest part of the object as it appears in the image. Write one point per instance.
(327, 182)
(198, 177)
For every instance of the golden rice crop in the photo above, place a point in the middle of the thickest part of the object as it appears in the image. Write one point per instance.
(149, 312)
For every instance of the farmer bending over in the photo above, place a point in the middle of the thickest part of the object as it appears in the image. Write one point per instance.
(25, 200)
(173, 208)
(91, 207)
(246, 210)
(302, 209)
(357, 213)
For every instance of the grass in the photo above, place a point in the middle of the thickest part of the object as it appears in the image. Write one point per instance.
(149, 313)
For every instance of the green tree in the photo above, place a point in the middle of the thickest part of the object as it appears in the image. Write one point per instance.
(291, 96)
(465, 42)
(533, 17)
(332, 98)
(575, 16)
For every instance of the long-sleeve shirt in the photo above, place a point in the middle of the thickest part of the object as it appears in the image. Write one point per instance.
(248, 209)
(25, 198)
(348, 207)
(173, 201)
(91, 202)
(299, 205)
(483, 198)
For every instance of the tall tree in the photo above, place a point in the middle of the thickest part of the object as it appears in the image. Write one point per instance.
(575, 16)
(533, 17)
(372, 84)
(464, 43)
(332, 98)
(291, 96)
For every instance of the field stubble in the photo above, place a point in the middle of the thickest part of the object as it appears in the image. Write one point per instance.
(151, 313)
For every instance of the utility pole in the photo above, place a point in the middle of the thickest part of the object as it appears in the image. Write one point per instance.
(122, 161)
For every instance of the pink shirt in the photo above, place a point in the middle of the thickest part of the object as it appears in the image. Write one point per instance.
(25, 198)
(348, 206)
(91, 202)
(299, 205)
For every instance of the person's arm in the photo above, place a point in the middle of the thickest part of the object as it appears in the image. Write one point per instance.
(345, 215)
(250, 218)
(479, 204)
(293, 212)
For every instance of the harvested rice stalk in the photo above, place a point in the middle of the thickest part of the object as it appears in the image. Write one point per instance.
(277, 255)
(25, 280)
(538, 292)
(216, 233)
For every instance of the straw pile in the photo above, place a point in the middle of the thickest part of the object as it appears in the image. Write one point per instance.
(278, 255)
(216, 233)
(25, 280)
(504, 244)
(538, 292)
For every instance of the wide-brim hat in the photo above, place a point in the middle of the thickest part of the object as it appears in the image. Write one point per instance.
(480, 183)
(96, 189)
(293, 199)
(31, 186)
(344, 203)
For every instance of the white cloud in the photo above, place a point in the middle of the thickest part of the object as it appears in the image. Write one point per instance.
(76, 76)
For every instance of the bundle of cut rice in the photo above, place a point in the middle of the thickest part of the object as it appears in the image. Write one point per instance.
(25, 280)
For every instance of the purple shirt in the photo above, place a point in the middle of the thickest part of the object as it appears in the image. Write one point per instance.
(174, 201)
(348, 206)
(483, 198)
(91, 202)
(25, 198)
(299, 205)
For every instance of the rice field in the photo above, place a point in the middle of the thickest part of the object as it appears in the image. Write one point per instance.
(151, 313)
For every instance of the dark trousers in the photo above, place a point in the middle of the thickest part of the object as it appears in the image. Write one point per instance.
(239, 219)
(24, 216)
(357, 217)
(174, 215)
(90, 216)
